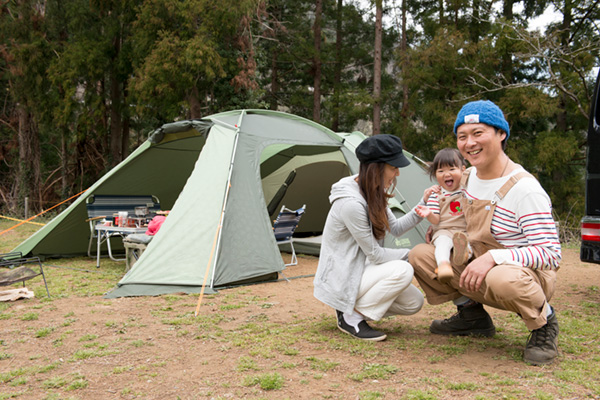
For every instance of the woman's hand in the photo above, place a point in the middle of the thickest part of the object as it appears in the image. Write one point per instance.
(474, 274)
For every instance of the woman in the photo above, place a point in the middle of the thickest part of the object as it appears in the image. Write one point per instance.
(356, 275)
(513, 236)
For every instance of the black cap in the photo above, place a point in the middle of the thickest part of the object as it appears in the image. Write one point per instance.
(382, 148)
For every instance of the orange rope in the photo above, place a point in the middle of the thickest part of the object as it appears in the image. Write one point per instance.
(43, 212)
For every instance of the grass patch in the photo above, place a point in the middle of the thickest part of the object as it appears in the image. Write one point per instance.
(43, 332)
(30, 317)
(374, 371)
(247, 364)
(321, 365)
(272, 381)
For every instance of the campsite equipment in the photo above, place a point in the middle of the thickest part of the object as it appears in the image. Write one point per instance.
(16, 268)
(284, 227)
(141, 211)
(246, 155)
(123, 218)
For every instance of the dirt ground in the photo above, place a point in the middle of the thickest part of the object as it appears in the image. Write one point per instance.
(153, 348)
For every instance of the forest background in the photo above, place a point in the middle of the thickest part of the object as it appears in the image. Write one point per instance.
(83, 82)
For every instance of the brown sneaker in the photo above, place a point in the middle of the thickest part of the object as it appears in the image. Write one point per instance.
(542, 345)
(444, 272)
(460, 252)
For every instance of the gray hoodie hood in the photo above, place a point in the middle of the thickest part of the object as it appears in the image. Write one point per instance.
(346, 187)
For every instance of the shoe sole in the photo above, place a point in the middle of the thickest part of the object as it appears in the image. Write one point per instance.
(445, 274)
(460, 253)
(475, 332)
(375, 339)
(537, 362)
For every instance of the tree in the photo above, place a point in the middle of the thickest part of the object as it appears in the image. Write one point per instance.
(377, 68)
(317, 62)
(204, 45)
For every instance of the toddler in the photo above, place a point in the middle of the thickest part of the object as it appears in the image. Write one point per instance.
(443, 211)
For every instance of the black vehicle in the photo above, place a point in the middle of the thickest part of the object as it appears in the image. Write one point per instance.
(590, 224)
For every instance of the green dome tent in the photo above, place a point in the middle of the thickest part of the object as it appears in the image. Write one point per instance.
(219, 176)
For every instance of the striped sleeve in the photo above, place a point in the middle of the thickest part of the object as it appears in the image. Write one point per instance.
(433, 203)
(530, 236)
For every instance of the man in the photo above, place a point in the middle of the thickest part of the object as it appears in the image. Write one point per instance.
(513, 237)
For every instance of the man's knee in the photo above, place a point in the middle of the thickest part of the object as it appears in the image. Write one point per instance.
(507, 284)
(421, 256)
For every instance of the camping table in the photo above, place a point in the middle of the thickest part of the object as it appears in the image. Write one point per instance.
(106, 232)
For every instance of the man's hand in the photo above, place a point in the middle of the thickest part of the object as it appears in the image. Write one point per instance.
(474, 274)
(429, 234)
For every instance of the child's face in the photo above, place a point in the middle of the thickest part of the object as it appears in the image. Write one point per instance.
(449, 177)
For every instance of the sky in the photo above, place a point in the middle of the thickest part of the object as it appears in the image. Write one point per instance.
(550, 15)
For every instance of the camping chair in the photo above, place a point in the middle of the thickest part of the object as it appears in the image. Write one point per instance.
(13, 269)
(284, 227)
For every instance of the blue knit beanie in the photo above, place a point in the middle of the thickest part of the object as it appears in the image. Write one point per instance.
(482, 112)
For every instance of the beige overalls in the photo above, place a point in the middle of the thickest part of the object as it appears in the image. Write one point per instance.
(508, 287)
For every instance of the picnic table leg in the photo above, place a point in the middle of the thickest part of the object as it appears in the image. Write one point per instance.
(98, 251)
(108, 236)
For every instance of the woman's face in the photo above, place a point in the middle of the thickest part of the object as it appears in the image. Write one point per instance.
(389, 175)
(479, 144)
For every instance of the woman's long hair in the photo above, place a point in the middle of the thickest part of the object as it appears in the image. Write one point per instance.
(370, 181)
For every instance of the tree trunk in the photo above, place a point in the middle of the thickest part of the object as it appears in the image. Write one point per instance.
(337, 79)
(317, 62)
(64, 164)
(193, 99)
(377, 68)
(115, 122)
(403, 49)
(475, 23)
(274, 80)
(507, 64)
(125, 125)
(28, 175)
(561, 117)
(116, 126)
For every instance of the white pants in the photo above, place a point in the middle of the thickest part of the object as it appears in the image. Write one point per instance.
(386, 289)
(443, 245)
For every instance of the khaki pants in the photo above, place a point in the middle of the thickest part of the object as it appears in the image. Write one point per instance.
(506, 287)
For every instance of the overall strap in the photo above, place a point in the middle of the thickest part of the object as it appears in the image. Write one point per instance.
(511, 182)
(465, 177)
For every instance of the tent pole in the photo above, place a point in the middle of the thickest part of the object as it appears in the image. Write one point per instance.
(217, 241)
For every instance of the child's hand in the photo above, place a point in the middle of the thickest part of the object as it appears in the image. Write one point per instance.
(429, 191)
(422, 211)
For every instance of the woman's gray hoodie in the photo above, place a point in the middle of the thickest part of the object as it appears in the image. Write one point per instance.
(348, 243)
